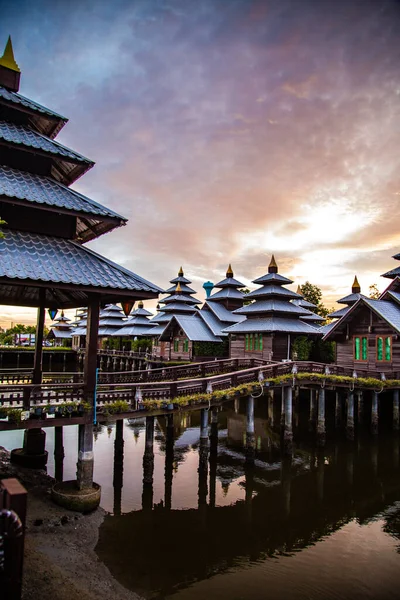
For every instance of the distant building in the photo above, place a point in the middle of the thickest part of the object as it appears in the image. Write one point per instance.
(61, 331)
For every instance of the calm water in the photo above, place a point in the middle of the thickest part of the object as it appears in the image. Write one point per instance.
(235, 520)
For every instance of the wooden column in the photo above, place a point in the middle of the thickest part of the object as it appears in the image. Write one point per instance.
(271, 407)
(90, 364)
(338, 409)
(313, 411)
(38, 359)
(118, 473)
(360, 406)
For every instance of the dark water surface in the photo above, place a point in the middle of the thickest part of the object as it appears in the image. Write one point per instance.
(220, 519)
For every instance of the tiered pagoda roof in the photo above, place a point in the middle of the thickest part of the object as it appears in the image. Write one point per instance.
(137, 325)
(229, 289)
(272, 309)
(348, 300)
(215, 312)
(61, 328)
(393, 273)
(46, 221)
(179, 302)
(303, 303)
(110, 320)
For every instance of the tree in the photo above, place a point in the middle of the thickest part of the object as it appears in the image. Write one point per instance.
(312, 293)
(374, 292)
(245, 291)
(2, 223)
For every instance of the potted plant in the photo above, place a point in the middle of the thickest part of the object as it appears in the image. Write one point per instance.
(14, 415)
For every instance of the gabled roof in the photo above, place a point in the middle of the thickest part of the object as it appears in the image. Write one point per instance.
(272, 324)
(351, 298)
(32, 259)
(194, 328)
(222, 313)
(213, 323)
(388, 311)
(338, 314)
(61, 333)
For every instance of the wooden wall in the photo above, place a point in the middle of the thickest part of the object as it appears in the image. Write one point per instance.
(359, 327)
(237, 347)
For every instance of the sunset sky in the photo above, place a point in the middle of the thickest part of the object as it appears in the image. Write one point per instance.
(226, 130)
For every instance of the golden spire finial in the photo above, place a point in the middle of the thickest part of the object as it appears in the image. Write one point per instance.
(8, 60)
(178, 289)
(273, 267)
(180, 272)
(140, 305)
(229, 272)
(355, 288)
(299, 290)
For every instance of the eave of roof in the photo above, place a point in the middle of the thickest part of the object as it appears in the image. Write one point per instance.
(273, 324)
(194, 328)
(269, 306)
(274, 278)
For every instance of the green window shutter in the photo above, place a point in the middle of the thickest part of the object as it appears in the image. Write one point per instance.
(388, 348)
(247, 341)
(260, 342)
(364, 353)
(256, 341)
(251, 341)
(176, 345)
(379, 348)
(357, 348)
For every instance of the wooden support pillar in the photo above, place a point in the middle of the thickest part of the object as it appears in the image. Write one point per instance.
(118, 473)
(213, 455)
(288, 428)
(204, 424)
(321, 418)
(84, 473)
(169, 461)
(250, 447)
(350, 416)
(396, 410)
(374, 414)
(282, 407)
(338, 409)
(38, 359)
(313, 411)
(58, 454)
(90, 364)
(271, 407)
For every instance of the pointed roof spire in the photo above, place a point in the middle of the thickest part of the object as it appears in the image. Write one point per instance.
(8, 60)
(273, 267)
(229, 272)
(355, 288)
(299, 290)
(180, 272)
(140, 305)
(178, 288)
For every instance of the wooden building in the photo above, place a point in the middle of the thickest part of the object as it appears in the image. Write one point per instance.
(272, 321)
(61, 331)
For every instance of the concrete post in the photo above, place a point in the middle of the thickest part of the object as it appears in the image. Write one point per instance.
(374, 414)
(148, 465)
(204, 424)
(313, 411)
(396, 410)
(84, 473)
(321, 417)
(338, 409)
(118, 474)
(350, 416)
(169, 461)
(288, 429)
(58, 454)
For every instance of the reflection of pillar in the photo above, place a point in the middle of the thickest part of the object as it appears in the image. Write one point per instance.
(396, 450)
(374, 413)
(236, 405)
(169, 461)
(84, 472)
(350, 416)
(396, 410)
(350, 469)
(203, 472)
(118, 465)
(313, 411)
(250, 436)
(338, 409)
(58, 454)
(249, 478)
(282, 407)
(286, 467)
(360, 407)
(374, 458)
(320, 476)
(321, 417)
(271, 407)
(148, 466)
(213, 455)
(288, 430)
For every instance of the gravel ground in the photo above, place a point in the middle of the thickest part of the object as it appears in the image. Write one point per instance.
(60, 562)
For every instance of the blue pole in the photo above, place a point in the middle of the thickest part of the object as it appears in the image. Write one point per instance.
(95, 398)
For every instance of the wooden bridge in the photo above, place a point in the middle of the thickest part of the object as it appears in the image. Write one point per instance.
(134, 387)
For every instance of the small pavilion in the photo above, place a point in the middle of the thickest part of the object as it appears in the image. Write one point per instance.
(272, 321)
(61, 331)
(138, 325)
(43, 260)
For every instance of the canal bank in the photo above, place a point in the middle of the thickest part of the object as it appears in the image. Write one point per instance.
(60, 562)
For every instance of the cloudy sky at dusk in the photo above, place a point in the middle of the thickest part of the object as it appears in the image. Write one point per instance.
(226, 130)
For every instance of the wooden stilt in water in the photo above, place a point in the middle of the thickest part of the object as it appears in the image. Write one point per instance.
(350, 416)
(321, 433)
(396, 410)
(374, 414)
